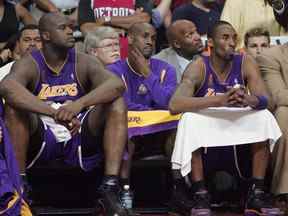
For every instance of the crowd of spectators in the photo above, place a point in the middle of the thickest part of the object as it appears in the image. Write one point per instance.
(158, 57)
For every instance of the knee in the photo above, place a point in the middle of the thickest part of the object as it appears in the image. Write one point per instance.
(12, 114)
(260, 146)
(119, 107)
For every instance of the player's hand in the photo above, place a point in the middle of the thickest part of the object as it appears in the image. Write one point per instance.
(74, 126)
(67, 116)
(5, 55)
(68, 111)
(250, 100)
(138, 62)
(228, 98)
(237, 99)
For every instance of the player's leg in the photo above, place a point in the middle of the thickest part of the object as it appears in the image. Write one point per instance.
(25, 134)
(24, 129)
(110, 119)
(258, 203)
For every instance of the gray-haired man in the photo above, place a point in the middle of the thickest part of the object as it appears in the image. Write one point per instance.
(104, 44)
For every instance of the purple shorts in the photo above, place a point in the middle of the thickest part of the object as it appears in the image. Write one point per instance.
(70, 151)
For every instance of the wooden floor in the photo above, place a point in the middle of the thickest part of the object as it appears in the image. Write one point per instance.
(87, 212)
(214, 214)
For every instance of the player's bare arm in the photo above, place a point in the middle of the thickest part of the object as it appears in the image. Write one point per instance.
(104, 86)
(183, 99)
(17, 86)
(101, 85)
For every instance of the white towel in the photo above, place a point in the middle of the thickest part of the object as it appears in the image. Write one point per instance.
(221, 127)
(61, 133)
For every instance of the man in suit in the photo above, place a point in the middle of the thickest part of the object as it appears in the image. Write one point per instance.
(185, 46)
(273, 64)
(256, 40)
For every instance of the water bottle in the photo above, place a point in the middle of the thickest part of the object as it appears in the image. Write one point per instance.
(127, 197)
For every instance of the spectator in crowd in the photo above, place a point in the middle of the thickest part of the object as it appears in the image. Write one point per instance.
(177, 3)
(28, 39)
(212, 76)
(37, 88)
(11, 14)
(274, 68)
(256, 40)
(160, 13)
(280, 11)
(119, 15)
(104, 44)
(201, 12)
(166, 18)
(149, 85)
(246, 14)
(185, 46)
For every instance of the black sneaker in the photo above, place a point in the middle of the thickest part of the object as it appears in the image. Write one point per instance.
(180, 203)
(109, 201)
(260, 203)
(201, 204)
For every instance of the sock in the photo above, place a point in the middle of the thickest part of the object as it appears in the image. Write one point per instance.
(198, 186)
(257, 183)
(111, 180)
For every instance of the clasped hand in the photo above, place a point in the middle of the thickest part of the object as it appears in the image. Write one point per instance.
(237, 97)
(67, 116)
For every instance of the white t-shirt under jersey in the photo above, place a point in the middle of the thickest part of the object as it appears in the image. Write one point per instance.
(5, 70)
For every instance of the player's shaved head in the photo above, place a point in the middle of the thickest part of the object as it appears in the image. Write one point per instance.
(56, 29)
(137, 28)
(49, 20)
(177, 29)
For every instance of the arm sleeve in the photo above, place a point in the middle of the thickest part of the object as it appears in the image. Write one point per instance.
(162, 88)
(157, 20)
(232, 13)
(272, 73)
(85, 12)
(130, 105)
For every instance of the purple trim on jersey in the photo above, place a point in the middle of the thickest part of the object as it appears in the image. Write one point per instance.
(70, 151)
(211, 84)
(57, 88)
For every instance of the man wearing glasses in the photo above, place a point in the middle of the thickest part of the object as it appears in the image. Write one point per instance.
(104, 44)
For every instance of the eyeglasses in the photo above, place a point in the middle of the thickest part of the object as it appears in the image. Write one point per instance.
(110, 46)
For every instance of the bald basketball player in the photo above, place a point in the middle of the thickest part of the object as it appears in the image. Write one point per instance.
(64, 104)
